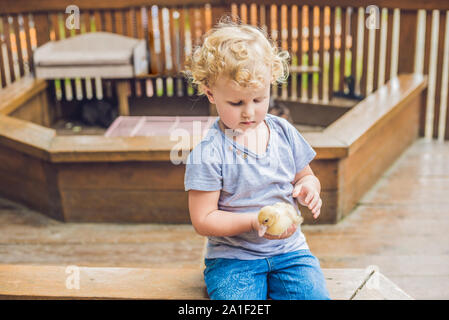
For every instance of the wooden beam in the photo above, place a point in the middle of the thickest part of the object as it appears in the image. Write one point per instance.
(21, 6)
(402, 4)
(77, 282)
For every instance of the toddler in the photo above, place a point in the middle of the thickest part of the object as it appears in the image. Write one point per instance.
(249, 159)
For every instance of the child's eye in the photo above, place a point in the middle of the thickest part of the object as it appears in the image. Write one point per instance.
(256, 101)
(235, 103)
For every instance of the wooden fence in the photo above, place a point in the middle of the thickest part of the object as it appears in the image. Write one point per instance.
(339, 46)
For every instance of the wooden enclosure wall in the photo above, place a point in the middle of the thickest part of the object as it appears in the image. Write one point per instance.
(331, 40)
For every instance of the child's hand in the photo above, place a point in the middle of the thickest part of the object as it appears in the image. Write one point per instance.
(287, 233)
(307, 195)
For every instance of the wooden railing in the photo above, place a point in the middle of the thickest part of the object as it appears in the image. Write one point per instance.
(330, 40)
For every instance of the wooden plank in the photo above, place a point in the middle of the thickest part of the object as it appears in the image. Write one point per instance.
(108, 24)
(98, 21)
(121, 176)
(331, 53)
(21, 165)
(163, 36)
(354, 24)
(113, 205)
(389, 45)
(102, 283)
(364, 54)
(310, 53)
(344, 31)
(321, 53)
(33, 110)
(407, 42)
(55, 25)
(26, 27)
(154, 65)
(16, 31)
(20, 92)
(26, 137)
(361, 170)
(81, 282)
(118, 19)
(41, 25)
(98, 148)
(439, 73)
(300, 50)
(355, 123)
(377, 53)
(7, 34)
(2, 58)
(19, 6)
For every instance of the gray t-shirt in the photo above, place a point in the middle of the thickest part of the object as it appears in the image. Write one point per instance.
(247, 182)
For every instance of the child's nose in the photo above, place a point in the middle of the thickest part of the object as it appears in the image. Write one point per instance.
(248, 111)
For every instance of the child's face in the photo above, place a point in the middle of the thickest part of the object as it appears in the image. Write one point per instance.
(239, 108)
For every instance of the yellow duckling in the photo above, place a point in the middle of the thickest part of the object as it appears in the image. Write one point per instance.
(276, 219)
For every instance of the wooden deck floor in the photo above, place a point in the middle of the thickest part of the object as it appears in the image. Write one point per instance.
(401, 226)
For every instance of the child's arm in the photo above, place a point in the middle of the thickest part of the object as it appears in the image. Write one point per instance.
(209, 221)
(307, 190)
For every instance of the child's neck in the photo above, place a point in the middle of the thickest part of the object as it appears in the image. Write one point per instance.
(255, 139)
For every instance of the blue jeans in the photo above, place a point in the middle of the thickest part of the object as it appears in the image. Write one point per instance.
(290, 276)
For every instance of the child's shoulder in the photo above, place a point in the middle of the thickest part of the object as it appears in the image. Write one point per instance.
(280, 124)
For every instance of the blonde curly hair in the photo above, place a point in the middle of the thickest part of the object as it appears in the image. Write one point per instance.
(238, 51)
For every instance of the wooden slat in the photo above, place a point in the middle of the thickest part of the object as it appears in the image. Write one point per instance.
(129, 17)
(427, 66)
(139, 24)
(42, 28)
(81, 282)
(2, 58)
(118, 19)
(364, 78)
(300, 51)
(389, 45)
(98, 20)
(7, 34)
(121, 176)
(106, 283)
(86, 20)
(310, 53)
(107, 17)
(353, 125)
(354, 25)
(331, 53)
(26, 28)
(377, 53)
(439, 72)
(344, 19)
(321, 52)
(407, 41)
(19, 6)
(16, 30)
(55, 25)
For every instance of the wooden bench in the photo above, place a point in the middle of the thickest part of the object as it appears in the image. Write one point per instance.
(72, 282)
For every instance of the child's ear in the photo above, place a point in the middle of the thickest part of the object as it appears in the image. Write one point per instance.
(209, 94)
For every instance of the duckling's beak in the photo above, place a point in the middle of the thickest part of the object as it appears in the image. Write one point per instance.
(262, 230)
